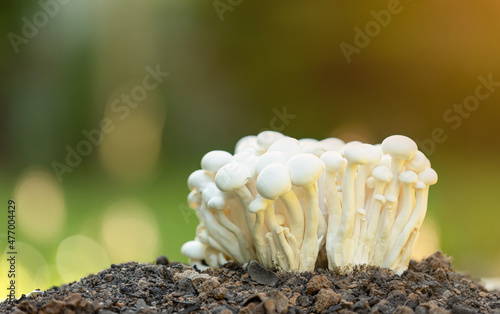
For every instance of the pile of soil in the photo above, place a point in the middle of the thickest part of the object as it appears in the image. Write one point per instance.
(430, 286)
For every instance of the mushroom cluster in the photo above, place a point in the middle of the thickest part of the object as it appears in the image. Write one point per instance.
(300, 204)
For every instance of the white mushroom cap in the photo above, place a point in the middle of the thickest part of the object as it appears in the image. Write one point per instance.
(356, 155)
(268, 158)
(332, 144)
(232, 176)
(305, 143)
(383, 174)
(305, 169)
(280, 219)
(193, 249)
(267, 138)
(198, 179)
(418, 163)
(420, 185)
(370, 182)
(349, 145)
(374, 153)
(273, 181)
(408, 177)
(194, 199)
(217, 203)
(210, 191)
(259, 204)
(214, 160)
(248, 159)
(287, 146)
(400, 146)
(334, 162)
(428, 176)
(247, 143)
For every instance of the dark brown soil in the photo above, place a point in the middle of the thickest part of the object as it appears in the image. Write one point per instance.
(430, 286)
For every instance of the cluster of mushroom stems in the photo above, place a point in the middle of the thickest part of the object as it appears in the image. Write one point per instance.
(300, 204)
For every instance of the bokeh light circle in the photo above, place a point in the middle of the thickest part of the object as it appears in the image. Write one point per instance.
(130, 232)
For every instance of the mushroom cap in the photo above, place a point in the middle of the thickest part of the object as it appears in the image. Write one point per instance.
(408, 177)
(217, 203)
(210, 190)
(280, 219)
(374, 153)
(259, 204)
(356, 155)
(418, 163)
(420, 185)
(247, 143)
(232, 176)
(266, 138)
(305, 169)
(286, 145)
(268, 158)
(198, 179)
(383, 174)
(305, 143)
(194, 199)
(273, 181)
(399, 146)
(193, 249)
(349, 145)
(428, 176)
(361, 211)
(334, 162)
(332, 144)
(214, 160)
(248, 159)
(370, 182)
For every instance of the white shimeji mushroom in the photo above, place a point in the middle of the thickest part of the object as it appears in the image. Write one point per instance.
(258, 206)
(232, 178)
(214, 160)
(383, 176)
(296, 204)
(355, 157)
(334, 163)
(305, 170)
(194, 251)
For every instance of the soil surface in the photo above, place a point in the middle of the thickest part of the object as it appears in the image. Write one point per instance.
(430, 286)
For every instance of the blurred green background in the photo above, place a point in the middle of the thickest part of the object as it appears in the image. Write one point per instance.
(307, 69)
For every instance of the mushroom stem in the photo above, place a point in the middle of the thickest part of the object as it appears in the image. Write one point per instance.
(406, 254)
(310, 242)
(225, 238)
(246, 251)
(287, 249)
(272, 225)
(358, 239)
(295, 215)
(384, 230)
(355, 156)
(258, 232)
(408, 178)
